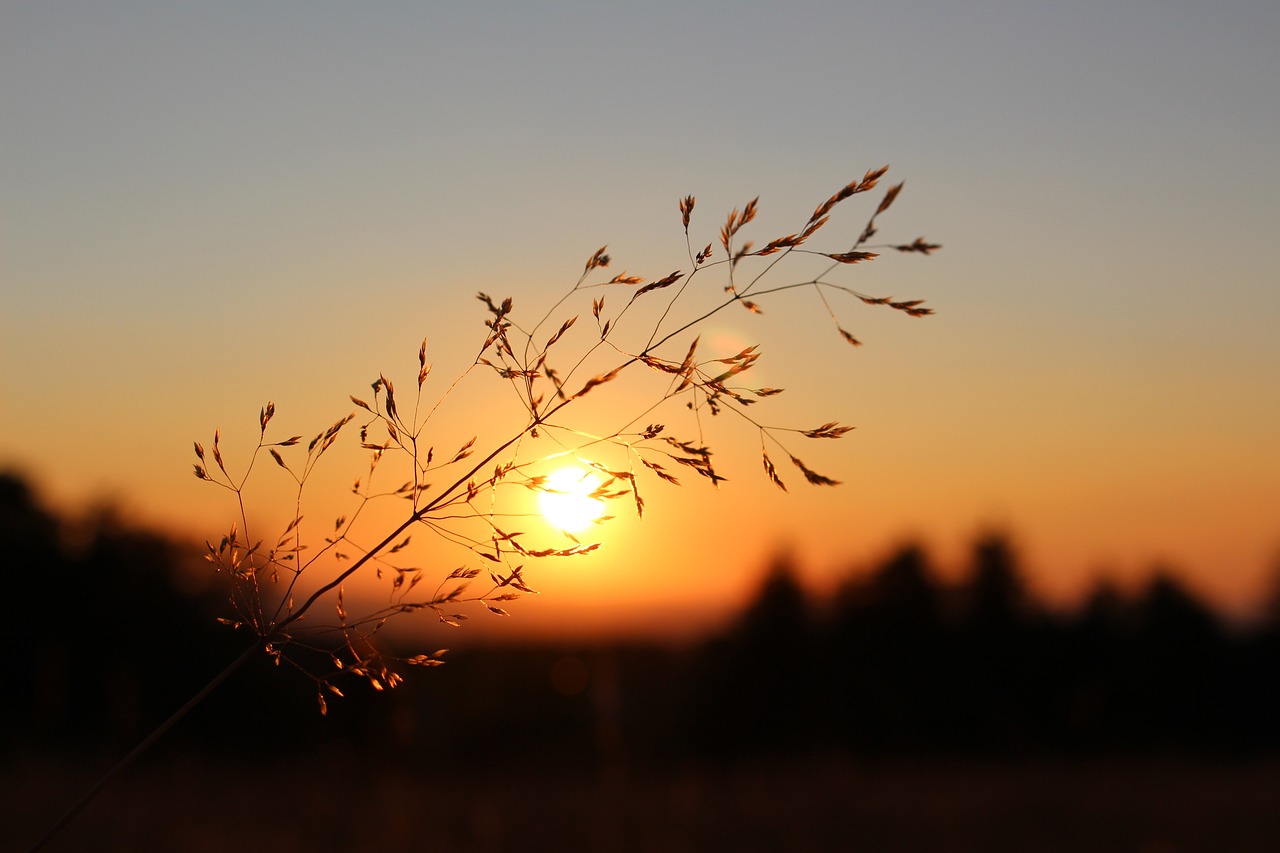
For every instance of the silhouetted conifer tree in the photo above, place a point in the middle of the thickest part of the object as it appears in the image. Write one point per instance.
(995, 594)
(1006, 654)
(886, 655)
(33, 568)
(107, 643)
(1176, 677)
(756, 686)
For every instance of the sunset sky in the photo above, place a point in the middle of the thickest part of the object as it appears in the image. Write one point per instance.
(206, 206)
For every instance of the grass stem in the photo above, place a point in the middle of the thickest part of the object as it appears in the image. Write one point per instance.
(142, 747)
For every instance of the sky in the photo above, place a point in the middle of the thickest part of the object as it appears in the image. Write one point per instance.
(206, 206)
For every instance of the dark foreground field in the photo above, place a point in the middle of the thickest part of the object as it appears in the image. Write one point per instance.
(339, 803)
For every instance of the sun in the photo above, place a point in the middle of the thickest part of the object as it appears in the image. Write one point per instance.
(567, 504)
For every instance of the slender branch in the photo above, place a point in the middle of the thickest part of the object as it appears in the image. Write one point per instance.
(391, 537)
(142, 747)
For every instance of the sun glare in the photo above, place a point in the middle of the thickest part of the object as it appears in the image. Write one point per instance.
(567, 504)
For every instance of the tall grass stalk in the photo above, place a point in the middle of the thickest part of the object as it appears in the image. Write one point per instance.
(290, 590)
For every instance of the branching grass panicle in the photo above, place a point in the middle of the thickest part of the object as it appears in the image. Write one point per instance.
(290, 590)
(460, 494)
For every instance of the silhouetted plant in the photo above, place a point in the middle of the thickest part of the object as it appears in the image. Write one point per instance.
(465, 494)
(462, 493)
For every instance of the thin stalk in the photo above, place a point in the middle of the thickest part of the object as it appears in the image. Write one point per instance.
(143, 746)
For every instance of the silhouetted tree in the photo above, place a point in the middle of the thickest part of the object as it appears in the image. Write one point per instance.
(1271, 607)
(1100, 636)
(1257, 698)
(995, 595)
(108, 643)
(1012, 687)
(900, 600)
(33, 568)
(1175, 681)
(755, 684)
(1106, 612)
(778, 620)
(887, 663)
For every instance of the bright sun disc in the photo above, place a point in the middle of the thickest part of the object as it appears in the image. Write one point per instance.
(568, 505)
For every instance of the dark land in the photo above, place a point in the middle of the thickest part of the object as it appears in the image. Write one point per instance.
(903, 714)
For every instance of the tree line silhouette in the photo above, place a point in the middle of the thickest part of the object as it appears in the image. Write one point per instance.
(900, 663)
(106, 638)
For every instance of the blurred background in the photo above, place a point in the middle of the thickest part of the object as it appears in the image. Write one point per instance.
(1040, 611)
(902, 713)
